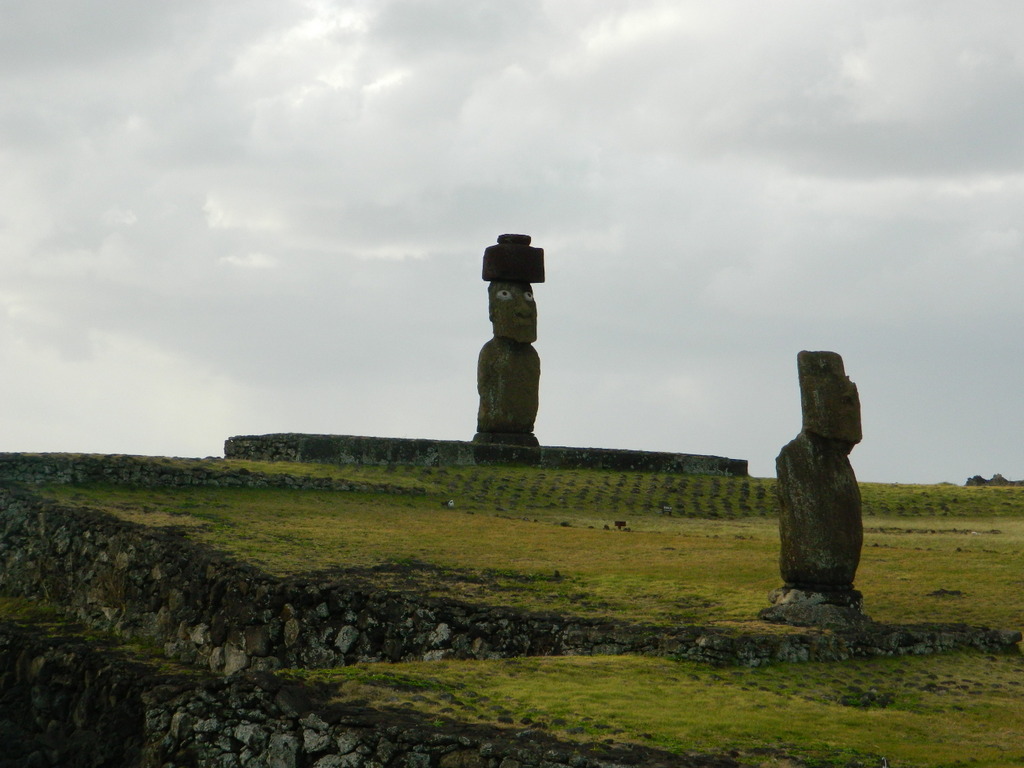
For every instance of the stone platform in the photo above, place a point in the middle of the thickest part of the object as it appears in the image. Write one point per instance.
(353, 449)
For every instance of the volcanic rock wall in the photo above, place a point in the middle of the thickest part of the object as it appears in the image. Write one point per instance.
(229, 616)
(353, 449)
(65, 703)
(148, 472)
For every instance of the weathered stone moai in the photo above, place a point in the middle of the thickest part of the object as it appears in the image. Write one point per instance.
(820, 512)
(508, 369)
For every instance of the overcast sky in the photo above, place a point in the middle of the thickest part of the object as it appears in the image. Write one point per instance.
(223, 217)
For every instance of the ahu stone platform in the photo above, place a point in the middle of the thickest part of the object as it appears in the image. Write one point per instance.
(353, 449)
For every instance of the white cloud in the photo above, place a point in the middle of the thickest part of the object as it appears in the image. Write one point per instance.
(253, 260)
(242, 212)
(123, 397)
(284, 206)
(117, 216)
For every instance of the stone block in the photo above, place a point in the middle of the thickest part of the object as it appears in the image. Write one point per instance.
(820, 526)
(828, 399)
(513, 258)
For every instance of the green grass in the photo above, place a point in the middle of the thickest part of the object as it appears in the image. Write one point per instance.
(932, 554)
(926, 711)
(46, 619)
(24, 611)
(941, 501)
(545, 556)
(667, 571)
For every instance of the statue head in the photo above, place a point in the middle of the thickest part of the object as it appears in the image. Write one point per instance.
(511, 267)
(829, 400)
(512, 310)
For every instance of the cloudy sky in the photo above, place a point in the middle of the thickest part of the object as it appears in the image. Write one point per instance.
(223, 217)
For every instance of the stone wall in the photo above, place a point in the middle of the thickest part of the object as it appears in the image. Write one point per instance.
(997, 479)
(68, 704)
(352, 449)
(151, 472)
(62, 703)
(259, 720)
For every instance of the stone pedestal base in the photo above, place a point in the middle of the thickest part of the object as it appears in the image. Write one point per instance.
(506, 438)
(808, 607)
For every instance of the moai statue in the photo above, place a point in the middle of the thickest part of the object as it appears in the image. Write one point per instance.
(820, 517)
(508, 369)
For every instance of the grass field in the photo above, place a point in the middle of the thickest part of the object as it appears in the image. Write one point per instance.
(538, 539)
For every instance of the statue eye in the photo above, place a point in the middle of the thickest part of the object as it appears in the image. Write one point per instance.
(504, 295)
(528, 295)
